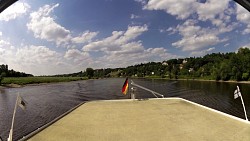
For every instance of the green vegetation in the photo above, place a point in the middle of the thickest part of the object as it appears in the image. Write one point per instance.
(215, 66)
(37, 80)
(89, 72)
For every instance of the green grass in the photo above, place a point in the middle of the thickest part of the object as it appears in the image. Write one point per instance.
(37, 80)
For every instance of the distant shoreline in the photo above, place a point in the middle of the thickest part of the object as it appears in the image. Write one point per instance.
(220, 81)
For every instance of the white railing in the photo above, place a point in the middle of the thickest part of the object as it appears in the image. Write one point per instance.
(153, 92)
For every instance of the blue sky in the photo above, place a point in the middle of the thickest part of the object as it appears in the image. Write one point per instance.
(55, 37)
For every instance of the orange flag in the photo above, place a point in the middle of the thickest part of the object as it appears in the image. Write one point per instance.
(125, 87)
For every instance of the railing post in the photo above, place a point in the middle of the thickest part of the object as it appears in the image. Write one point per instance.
(132, 94)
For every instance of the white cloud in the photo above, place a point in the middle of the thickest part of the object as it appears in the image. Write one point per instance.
(77, 56)
(210, 49)
(31, 55)
(40, 60)
(201, 53)
(132, 47)
(194, 43)
(183, 9)
(195, 37)
(42, 23)
(227, 44)
(32, 59)
(118, 40)
(143, 56)
(133, 16)
(5, 51)
(180, 8)
(85, 37)
(217, 12)
(244, 17)
(44, 26)
(16, 10)
(121, 49)
(72, 53)
(242, 14)
(142, 1)
(171, 30)
(4, 44)
(211, 8)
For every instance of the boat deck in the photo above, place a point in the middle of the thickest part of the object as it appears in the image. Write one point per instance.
(145, 120)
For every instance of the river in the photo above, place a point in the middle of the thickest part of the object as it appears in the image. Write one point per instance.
(48, 101)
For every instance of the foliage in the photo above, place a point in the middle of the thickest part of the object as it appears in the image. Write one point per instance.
(90, 72)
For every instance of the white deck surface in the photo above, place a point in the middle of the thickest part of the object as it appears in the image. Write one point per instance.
(148, 120)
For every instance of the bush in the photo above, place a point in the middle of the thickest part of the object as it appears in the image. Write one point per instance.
(245, 76)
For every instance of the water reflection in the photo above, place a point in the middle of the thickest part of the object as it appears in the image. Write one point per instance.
(2, 90)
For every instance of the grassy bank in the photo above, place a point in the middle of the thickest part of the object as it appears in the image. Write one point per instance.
(37, 80)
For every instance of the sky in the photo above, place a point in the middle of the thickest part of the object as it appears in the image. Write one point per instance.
(65, 36)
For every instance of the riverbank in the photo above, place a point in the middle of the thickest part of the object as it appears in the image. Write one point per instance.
(220, 81)
(195, 79)
(16, 82)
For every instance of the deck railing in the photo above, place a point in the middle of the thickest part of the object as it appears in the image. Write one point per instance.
(157, 95)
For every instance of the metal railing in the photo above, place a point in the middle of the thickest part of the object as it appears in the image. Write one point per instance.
(153, 92)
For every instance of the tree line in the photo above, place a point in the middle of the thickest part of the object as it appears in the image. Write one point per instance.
(215, 66)
(5, 72)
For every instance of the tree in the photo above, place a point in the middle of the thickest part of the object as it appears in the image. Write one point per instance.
(237, 65)
(89, 72)
(225, 70)
(3, 74)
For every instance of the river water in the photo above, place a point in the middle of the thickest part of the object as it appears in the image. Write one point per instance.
(46, 102)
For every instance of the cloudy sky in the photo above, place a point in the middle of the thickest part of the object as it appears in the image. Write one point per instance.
(64, 36)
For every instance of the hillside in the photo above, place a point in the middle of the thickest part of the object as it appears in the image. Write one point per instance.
(215, 66)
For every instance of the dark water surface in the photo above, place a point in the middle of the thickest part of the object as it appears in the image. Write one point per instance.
(46, 102)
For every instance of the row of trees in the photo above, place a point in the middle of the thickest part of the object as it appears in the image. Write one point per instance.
(5, 72)
(215, 66)
(90, 73)
(218, 66)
